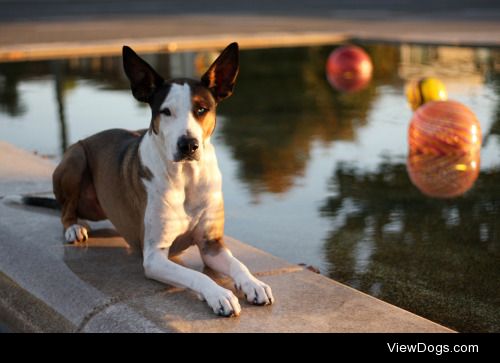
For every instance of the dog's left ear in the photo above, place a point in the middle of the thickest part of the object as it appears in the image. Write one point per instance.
(221, 76)
(144, 80)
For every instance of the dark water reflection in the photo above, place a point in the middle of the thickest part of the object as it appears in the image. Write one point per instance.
(295, 108)
(312, 174)
(438, 258)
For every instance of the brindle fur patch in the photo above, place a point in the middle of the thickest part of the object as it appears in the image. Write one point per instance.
(212, 247)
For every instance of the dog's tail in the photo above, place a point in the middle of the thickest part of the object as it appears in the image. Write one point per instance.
(44, 202)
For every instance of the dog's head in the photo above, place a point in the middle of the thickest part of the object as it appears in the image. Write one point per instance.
(183, 110)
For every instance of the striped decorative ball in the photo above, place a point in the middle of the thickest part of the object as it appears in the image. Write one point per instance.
(444, 176)
(444, 127)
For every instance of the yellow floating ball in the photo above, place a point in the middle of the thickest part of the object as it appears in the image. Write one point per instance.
(424, 90)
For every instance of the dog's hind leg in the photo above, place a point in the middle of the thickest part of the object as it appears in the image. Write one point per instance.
(67, 180)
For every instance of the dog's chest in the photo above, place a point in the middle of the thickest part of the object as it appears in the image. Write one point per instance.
(201, 190)
(187, 190)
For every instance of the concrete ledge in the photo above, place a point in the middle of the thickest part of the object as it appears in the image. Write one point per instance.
(48, 286)
(112, 47)
(23, 312)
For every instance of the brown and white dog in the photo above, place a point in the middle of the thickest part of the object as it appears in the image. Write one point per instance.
(161, 187)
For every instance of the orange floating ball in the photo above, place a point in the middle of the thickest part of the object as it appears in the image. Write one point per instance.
(444, 127)
(349, 68)
(444, 176)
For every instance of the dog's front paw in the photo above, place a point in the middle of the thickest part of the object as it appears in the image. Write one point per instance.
(222, 301)
(256, 292)
(76, 233)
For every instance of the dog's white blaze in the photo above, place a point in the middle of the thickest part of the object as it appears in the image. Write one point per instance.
(181, 121)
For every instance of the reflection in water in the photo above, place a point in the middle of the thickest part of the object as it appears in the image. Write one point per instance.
(437, 258)
(494, 79)
(10, 76)
(285, 104)
(59, 88)
(444, 176)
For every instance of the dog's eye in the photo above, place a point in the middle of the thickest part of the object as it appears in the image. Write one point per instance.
(166, 112)
(200, 111)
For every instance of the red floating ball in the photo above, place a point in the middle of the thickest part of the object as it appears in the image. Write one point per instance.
(444, 127)
(443, 176)
(349, 68)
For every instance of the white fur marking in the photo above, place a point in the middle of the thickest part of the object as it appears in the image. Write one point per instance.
(157, 266)
(256, 291)
(181, 122)
(76, 233)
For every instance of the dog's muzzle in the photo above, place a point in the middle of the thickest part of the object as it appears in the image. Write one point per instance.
(187, 148)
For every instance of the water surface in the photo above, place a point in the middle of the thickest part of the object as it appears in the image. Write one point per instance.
(312, 174)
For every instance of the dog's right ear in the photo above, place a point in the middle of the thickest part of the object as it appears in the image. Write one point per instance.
(144, 80)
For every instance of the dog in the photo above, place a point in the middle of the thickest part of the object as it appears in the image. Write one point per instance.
(161, 187)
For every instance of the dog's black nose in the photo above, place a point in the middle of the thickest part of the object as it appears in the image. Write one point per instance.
(187, 145)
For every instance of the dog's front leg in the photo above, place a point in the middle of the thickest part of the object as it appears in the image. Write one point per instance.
(158, 237)
(157, 266)
(219, 258)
